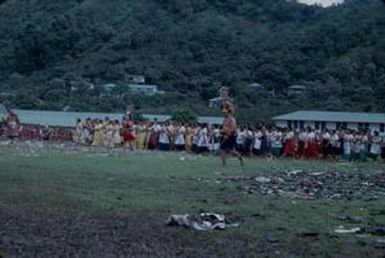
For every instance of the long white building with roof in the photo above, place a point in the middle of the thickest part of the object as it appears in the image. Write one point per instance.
(332, 120)
(68, 119)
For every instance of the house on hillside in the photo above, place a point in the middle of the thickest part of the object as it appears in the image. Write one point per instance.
(136, 84)
(106, 89)
(296, 90)
(144, 89)
(257, 86)
(135, 79)
(332, 120)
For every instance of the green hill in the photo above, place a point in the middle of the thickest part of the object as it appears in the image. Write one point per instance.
(189, 48)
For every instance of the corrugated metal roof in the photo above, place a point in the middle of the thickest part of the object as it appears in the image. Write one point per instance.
(324, 116)
(159, 118)
(210, 120)
(60, 118)
(297, 87)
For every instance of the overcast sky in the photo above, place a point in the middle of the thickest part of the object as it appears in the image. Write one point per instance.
(322, 2)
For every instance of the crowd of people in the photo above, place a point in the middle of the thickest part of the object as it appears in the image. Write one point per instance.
(12, 129)
(256, 140)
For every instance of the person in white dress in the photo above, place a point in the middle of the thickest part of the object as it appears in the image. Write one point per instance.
(257, 142)
(180, 141)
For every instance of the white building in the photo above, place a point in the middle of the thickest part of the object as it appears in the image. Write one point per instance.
(135, 79)
(145, 89)
(332, 120)
(256, 86)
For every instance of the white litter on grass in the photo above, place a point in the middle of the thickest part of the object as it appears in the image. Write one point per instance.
(262, 179)
(342, 230)
(294, 172)
(317, 173)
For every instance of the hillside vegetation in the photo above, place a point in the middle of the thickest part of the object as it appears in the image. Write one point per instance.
(189, 48)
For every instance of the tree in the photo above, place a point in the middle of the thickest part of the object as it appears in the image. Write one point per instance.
(185, 116)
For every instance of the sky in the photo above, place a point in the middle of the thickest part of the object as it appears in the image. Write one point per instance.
(324, 3)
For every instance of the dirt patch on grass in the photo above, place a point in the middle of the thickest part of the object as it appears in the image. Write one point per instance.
(57, 233)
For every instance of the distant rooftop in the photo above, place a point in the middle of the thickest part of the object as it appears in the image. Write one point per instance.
(256, 85)
(297, 87)
(215, 120)
(60, 118)
(333, 117)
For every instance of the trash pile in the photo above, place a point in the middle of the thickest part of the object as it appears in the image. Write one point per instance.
(300, 184)
(204, 221)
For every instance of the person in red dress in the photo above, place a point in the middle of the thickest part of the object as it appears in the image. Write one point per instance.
(311, 146)
(301, 142)
(128, 132)
(289, 144)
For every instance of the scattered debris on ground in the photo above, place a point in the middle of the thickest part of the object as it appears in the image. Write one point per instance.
(300, 184)
(203, 221)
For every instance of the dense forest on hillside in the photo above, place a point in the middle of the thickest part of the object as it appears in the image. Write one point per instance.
(189, 48)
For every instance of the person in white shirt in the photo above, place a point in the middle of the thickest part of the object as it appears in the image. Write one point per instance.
(203, 140)
(257, 142)
(276, 143)
(326, 144)
(364, 143)
(335, 144)
(180, 137)
(195, 138)
(164, 140)
(117, 138)
(109, 140)
(214, 135)
(375, 146)
(348, 139)
(248, 141)
(240, 139)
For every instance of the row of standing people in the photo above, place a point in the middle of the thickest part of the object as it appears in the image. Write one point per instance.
(259, 141)
(312, 144)
(145, 135)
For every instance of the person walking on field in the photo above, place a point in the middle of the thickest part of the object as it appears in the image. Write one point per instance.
(228, 135)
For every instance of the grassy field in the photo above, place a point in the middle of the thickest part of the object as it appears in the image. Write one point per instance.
(58, 202)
